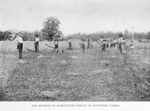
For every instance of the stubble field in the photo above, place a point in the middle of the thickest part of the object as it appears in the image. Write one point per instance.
(73, 75)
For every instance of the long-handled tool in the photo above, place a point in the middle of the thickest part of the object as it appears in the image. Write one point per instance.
(30, 49)
(50, 46)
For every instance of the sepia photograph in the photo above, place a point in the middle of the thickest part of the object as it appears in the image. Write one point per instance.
(92, 52)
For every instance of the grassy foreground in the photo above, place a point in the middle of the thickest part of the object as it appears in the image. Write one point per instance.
(74, 76)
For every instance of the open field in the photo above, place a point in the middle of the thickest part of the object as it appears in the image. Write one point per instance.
(73, 75)
(10, 46)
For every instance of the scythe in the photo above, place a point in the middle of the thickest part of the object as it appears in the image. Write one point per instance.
(50, 46)
(30, 50)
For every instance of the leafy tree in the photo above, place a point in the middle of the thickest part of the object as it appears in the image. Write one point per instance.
(31, 35)
(51, 27)
(140, 35)
(148, 35)
(1, 35)
(5, 35)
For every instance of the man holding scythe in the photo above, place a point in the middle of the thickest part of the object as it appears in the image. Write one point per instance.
(36, 43)
(19, 42)
(56, 42)
(70, 43)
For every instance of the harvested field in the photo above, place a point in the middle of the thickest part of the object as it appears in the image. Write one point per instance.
(76, 76)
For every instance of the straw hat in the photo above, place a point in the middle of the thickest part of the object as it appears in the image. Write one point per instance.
(56, 34)
(21, 34)
(36, 35)
(120, 35)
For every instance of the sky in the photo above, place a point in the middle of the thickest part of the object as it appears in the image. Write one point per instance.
(84, 16)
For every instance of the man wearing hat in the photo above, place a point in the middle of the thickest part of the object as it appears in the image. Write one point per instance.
(103, 43)
(19, 42)
(36, 43)
(70, 42)
(82, 44)
(56, 42)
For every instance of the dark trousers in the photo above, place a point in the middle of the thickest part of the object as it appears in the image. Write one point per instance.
(88, 45)
(120, 48)
(83, 48)
(70, 45)
(56, 47)
(20, 48)
(36, 47)
(112, 44)
(103, 47)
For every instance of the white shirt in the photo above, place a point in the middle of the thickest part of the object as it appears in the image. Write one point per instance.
(120, 40)
(69, 40)
(56, 42)
(101, 40)
(115, 41)
(18, 39)
(37, 39)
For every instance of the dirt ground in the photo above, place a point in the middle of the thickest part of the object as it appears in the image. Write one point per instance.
(77, 76)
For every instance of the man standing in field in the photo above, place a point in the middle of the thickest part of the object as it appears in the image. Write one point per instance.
(19, 42)
(56, 42)
(124, 43)
(103, 43)
(115, 42)
(82, 45)
(36, 43)
(120, 42)
(70, 43)
(131, 45)
(88, 41)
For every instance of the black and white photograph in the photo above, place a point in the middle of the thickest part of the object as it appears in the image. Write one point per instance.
(92, 52)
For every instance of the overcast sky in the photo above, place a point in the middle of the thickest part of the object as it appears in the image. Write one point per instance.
(85, 16)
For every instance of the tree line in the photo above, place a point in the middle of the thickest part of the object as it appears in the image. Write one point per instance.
(51, 27)
(126, 34)
(4, 35)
